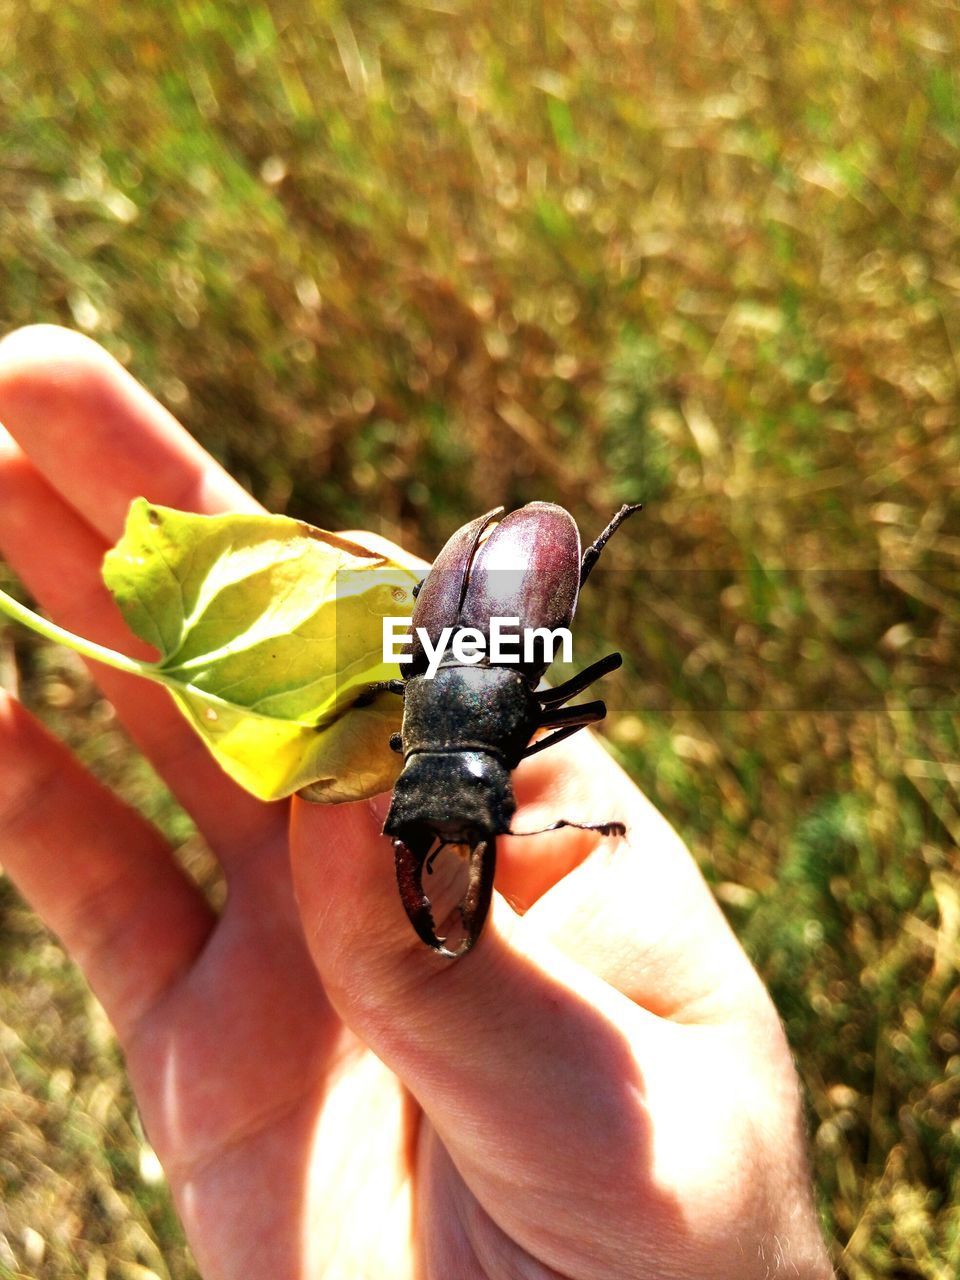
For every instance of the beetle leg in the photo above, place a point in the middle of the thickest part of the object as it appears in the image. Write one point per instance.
(433, 855)
(603, 828)
(542, 743)
(378, 687)
(576, 684)
(592, 553)
(565, 720)
(579, 715)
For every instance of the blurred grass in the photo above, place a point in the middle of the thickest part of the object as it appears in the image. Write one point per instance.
(395, 263)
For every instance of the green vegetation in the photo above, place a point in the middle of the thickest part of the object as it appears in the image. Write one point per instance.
(241, 610)
(396, 263)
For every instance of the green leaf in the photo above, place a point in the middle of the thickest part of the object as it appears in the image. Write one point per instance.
(268, 632)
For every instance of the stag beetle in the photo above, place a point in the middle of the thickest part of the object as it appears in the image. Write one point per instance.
(467, 727)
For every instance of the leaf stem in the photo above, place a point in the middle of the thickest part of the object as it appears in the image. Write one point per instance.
(87, 648)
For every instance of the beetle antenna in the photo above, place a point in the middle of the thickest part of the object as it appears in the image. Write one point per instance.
(592, 553)
(602, 828)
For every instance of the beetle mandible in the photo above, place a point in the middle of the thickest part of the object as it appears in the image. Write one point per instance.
(466, 728)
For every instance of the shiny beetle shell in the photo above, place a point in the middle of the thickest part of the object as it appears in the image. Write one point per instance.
(528, 567)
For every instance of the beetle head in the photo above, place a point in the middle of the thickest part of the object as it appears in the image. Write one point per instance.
(434, 785)
(475, 786)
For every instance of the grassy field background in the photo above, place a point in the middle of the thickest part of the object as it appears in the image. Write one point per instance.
(395, 263)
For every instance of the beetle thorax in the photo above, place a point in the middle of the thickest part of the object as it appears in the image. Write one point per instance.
(469, 708)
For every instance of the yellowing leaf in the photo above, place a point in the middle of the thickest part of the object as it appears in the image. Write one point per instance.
(268, 632)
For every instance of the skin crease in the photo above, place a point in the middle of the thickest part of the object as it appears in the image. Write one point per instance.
(601, 1088)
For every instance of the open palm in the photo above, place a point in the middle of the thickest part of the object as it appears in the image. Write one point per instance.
(599, 1089)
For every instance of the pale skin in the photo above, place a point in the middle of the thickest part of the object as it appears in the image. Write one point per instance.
(600, 1089)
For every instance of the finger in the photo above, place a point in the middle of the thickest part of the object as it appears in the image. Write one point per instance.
(522, 1060)
(98, 436)
(98, 874)
(637, 913)
(530, 1068)
(58, 556)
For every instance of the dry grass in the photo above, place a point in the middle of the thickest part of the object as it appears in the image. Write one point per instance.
(394, 262)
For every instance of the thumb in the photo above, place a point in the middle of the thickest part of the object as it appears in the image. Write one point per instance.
(524, 1063)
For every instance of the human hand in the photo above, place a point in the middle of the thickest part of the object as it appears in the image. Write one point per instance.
(601, 1088)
